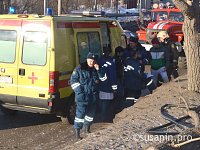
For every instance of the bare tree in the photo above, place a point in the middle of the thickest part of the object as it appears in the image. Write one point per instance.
(1, 6)
(190, 10)
(4, 6)
(28, 6)
(67, 6)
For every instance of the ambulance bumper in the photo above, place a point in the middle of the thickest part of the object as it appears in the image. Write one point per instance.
(34, 105)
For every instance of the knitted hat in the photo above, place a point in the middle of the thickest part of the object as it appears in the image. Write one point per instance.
(93, 56)
(133, 39)
(155, 40)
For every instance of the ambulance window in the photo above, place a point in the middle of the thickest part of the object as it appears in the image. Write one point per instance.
(95, 44)
(123, 41)
(83, 46)
(7, 46)
(105, 35)
(88, 42)
(35, 48)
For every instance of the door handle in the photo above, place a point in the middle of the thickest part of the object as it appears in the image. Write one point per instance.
(22, 72)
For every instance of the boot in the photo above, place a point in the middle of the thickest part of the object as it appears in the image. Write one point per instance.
(77, 134)
(87, 129)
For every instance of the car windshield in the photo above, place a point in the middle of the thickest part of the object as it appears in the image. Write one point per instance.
(162, 16)
(176, 16)
(159, 16)
(146, 15)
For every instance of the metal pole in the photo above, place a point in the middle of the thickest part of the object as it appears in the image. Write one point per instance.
(76, 4)
(140, 8)
(116, 4)
(145, 4)
(45, 6)
(59, 7)
(95, 5)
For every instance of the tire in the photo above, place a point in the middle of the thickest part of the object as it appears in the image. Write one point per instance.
(68, 115)
(182, 62)
(7, 111)
(71, 111)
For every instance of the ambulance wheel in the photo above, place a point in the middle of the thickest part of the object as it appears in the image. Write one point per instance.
(182, 62)
(7, 111)
(71, 111)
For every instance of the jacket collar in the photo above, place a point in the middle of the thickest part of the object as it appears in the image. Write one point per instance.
(84, 66)
(105, 56)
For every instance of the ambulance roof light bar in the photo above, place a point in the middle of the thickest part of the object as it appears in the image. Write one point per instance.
(88, 13)
(11, 10)
(49, 11)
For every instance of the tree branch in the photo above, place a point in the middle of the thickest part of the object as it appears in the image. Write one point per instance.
(186, 7)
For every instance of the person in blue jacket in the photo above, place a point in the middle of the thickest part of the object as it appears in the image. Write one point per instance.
(119, 95)
(108, 86)
(133, 79)
(84, 81)
(143, 57)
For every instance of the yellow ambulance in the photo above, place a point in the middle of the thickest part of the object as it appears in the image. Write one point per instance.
(38, 54)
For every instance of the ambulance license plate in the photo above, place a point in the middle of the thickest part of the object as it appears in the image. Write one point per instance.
(6, 80)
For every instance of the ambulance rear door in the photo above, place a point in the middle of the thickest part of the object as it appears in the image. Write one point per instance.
(87, 35)
(9, 43)
(33, 69)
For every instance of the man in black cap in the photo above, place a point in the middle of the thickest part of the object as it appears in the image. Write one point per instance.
(84, 81)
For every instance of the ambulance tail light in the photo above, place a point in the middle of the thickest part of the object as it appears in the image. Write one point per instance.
(22, 16)
(53, 81)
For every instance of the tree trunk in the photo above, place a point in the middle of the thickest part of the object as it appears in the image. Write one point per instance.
(190, 10)
(191, 47)
(1, 6)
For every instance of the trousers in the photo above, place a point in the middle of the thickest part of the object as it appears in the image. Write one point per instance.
(84, 115)
(132, 96)
(163, 74)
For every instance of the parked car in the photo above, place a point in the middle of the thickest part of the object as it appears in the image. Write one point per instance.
(128, 34)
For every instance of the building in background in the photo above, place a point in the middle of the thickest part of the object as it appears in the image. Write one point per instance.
(145, 4)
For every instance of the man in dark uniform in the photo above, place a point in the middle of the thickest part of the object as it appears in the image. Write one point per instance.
(133, 79)
(143, 58)
(108, 87)
(84, 82)
(119, 95)
(173, 54)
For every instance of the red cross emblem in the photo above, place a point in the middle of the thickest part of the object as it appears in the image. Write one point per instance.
(33, 78)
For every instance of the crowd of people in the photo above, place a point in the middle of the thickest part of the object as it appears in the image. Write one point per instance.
(117, 81)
